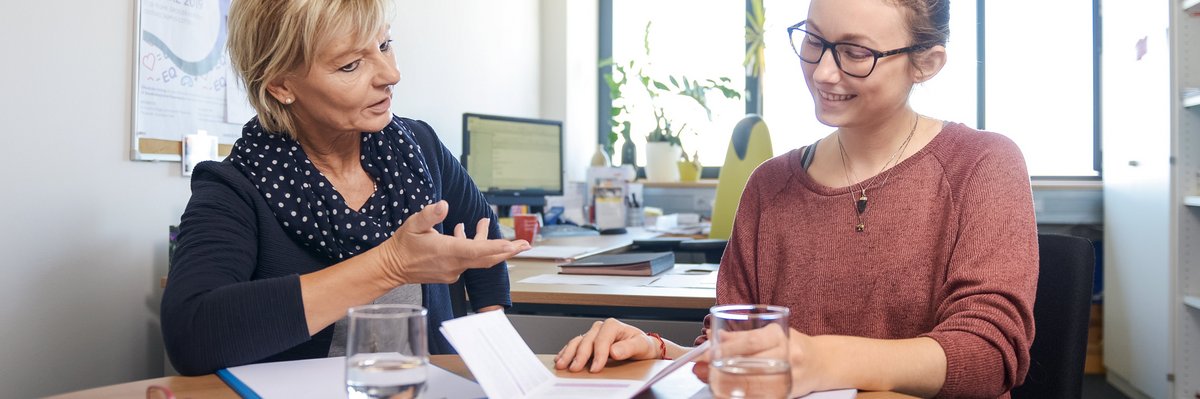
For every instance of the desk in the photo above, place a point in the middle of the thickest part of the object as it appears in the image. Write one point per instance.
(680, 384)
(547, 315)
(668, 303)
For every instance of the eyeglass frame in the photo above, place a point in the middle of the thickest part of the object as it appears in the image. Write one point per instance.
(837, 59)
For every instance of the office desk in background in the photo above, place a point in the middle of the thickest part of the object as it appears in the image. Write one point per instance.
(681, 384)
(548, 315)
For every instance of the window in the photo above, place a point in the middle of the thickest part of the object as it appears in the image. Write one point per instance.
(1035, 87)
(699, 39)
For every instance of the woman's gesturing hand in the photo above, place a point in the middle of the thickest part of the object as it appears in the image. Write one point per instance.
(417, 253)
(609, 339)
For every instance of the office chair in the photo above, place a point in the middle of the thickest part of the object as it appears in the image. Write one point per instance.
(1061, 313)
(749, 147)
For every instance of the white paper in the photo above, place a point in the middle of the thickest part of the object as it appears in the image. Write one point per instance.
(556, 252)
(498, 358)
(506, 368)
(326, 378)
(578, 279)
(679, 362)
(708, 280)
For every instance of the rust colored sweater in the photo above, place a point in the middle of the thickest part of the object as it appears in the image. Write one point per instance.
(949, 252)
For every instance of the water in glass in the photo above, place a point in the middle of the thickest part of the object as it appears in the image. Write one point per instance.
(383, 375)
(746, 378)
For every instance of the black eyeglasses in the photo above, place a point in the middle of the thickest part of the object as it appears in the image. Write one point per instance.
(853, 59)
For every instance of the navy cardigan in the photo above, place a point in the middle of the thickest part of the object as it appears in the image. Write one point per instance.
(233, 292)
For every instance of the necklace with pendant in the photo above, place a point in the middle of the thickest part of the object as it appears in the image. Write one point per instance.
(860, 203)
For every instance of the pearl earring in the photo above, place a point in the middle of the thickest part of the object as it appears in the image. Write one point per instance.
(288, 100)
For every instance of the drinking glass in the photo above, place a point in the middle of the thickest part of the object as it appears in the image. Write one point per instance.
(750, 352)
(387, 353)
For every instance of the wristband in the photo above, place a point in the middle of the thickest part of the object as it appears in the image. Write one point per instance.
(662, 346)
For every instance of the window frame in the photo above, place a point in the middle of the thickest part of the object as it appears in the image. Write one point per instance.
(753, 98)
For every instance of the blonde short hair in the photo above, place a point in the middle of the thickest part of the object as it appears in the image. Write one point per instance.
(271, 38)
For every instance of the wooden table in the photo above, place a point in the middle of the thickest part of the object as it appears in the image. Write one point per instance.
(680, 384)
(565, 297)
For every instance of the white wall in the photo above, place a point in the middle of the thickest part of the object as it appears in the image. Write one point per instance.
(466, 56)
(84, 229)
(570, 34)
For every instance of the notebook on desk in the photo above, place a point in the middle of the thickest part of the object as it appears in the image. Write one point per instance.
(626, 264)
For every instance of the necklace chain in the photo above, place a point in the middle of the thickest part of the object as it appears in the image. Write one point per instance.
(860, 204)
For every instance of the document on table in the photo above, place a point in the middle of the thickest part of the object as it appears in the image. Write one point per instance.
(506, 368)
(556, 252)
(326, 378)
(708, 280)
(615, 281)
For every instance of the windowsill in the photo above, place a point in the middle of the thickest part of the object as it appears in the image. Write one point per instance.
(1067, 184)
(702, 183)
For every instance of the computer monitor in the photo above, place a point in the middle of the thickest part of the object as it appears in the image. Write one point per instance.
(514, 161)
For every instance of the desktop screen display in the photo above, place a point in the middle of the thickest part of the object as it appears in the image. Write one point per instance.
(513, 160)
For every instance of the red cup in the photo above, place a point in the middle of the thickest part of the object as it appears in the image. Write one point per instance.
(526, 227)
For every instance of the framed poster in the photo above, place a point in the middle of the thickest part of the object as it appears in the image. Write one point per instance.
(182, 78)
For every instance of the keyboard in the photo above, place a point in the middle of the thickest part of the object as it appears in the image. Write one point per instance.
(566, 230)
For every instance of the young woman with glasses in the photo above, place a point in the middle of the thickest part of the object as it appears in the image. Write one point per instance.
(905, 246)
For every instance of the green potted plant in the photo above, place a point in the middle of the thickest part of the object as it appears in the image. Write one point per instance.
(663, 141)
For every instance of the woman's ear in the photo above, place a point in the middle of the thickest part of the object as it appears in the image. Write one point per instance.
(929, 62)
(281, 90)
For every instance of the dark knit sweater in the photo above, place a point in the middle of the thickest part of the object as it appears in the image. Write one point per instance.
(233, 292)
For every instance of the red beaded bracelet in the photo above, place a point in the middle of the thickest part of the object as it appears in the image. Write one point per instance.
(662, 346)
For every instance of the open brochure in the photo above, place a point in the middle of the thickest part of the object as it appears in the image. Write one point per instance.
(506, 368)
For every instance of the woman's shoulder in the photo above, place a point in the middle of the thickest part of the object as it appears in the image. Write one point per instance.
(420, 130)
(211, 177)
(966, 142)
(774, 172)
(966, 154)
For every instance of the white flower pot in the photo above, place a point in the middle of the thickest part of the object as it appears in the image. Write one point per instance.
(660, 162)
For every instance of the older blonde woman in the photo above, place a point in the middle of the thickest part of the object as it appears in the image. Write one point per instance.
(328, 201)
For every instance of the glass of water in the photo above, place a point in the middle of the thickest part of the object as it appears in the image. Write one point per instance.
(750, 352)
(387, 354)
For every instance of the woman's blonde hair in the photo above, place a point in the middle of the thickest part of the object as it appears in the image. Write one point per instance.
(269, 39)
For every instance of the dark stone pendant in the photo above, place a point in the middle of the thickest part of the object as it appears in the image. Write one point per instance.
(860, 227)
(862, 204)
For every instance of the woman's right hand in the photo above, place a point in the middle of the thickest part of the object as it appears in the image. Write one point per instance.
(417, 253)
(608, 339)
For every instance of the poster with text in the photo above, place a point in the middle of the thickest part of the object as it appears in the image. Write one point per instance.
(184, 82)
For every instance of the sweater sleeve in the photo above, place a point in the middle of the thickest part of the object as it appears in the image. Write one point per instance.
(985, 309)
(737, 278)
(213, 315)
(485, 287)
